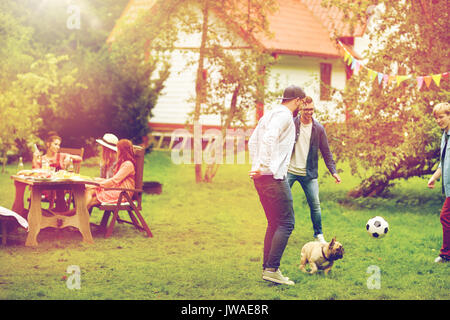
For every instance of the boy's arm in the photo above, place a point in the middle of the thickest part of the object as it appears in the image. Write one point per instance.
(436, 175)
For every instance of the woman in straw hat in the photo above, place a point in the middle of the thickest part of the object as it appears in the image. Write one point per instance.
(124, 177)
(108, 158)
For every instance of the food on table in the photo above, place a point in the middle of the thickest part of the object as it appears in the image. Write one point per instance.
(35, 173)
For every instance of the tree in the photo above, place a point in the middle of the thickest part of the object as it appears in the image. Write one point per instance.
(227, 69)
(69, 80)
(116, 92)
(22, 103)
(118, 83)
(390, 132)
(16, 52)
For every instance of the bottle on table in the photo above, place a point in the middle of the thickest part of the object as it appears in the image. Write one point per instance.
(45, 164)
(70, 166)
(20, 164)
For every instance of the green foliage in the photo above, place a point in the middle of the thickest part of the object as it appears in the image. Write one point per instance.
(23, 102)
(83, 87)
(118, 87)
(390, 130)
(117, 96)
(15, 50)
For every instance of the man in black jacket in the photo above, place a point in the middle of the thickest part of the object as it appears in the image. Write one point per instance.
(303, 167)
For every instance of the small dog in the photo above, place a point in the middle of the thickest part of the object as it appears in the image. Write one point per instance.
(320, 256)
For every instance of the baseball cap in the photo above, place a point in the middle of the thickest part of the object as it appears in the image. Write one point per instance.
(293, 92)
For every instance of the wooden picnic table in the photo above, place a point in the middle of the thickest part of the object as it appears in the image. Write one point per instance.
(58, 217)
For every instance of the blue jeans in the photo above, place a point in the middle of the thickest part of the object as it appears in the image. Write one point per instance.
(311, 189)
(276, 199)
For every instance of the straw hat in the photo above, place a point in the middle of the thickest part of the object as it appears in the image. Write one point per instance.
(109, 140)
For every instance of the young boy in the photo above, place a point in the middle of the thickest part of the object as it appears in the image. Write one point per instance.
(441, 113)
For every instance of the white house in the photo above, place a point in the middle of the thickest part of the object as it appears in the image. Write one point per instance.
(305, 56)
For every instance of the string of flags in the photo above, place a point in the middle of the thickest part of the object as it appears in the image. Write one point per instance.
(386, 79)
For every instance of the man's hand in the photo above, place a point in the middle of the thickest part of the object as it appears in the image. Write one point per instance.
(337, 178)
(254, 174)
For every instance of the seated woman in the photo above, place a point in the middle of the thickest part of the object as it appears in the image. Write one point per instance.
(108, 157)
(124, 177)
(55, 158)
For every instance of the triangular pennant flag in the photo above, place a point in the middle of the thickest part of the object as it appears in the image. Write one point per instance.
(400, 79)
(380, 77)
(385, 79)
(346, 56)
(445, 75)
(357, 67)
(427, 80)
(353, 64)
(372, 74)
(436, 78)
(350, 60)
(419, 82)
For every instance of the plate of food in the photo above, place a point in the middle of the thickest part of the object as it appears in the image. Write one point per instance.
(35, 174)
(40, 179)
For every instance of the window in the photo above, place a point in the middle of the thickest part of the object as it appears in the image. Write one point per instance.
(325, 81)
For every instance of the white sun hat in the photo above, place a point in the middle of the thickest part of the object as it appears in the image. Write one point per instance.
(109, 140)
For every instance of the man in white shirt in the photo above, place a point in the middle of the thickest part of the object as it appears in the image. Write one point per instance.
(270, 148)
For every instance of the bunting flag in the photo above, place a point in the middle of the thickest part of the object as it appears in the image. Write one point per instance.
(436, 78)
(427, 80)
(386, 79)
(419, 82)
(400, 79)
(380, 77)
(372, 74)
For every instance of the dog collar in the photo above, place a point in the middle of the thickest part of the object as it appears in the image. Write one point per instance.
(323, 255)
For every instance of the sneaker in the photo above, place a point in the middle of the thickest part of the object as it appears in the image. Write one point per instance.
(264, 270)
(440, 260)
(277, 277)
(320, 238)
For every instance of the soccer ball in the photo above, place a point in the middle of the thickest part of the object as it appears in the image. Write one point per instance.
(377, 227)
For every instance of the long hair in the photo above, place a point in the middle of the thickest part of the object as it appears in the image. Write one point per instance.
(108, 157)
(125, 152)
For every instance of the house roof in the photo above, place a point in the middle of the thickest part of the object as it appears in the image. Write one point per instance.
(333, 19)
(300, 27)
(298, 31)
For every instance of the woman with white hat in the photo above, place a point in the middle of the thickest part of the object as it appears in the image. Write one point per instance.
(124, 177)
(108, 159)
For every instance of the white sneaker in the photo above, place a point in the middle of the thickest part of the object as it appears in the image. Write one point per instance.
(277, 277)
(320, 238)
(439, 259)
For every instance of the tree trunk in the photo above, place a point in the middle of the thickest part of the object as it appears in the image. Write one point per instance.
(212, 168)
(200, 92)
(4, 160)
(379, 183)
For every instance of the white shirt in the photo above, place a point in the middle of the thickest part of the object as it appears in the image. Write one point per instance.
(272, 141)
(297, 165)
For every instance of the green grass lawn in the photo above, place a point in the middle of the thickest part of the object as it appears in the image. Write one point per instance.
(208, 241)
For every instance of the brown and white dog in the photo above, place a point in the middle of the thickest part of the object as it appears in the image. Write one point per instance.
(320, 256)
